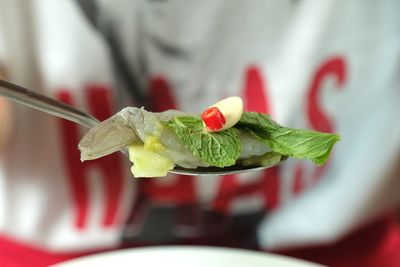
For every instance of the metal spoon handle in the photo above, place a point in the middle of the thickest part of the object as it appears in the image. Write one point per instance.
(46, 104)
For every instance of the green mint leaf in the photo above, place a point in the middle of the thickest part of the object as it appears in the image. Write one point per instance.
(303, 144)
(258, 120)
(220, 149)
(257, 124)
(291, 142)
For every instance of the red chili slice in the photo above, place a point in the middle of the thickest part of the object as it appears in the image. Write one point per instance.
(213, 119)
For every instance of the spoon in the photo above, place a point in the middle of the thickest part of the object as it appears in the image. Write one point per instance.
(49, 105)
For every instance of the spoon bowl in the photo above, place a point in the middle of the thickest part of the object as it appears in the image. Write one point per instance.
(215, 171)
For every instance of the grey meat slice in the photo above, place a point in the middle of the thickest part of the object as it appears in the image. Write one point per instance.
(132, 125)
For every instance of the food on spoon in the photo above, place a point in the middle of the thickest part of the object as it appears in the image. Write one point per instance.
(213, 119)
(222, 136)
(222, 115)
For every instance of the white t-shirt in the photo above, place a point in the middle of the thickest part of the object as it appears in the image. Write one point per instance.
(323, 65)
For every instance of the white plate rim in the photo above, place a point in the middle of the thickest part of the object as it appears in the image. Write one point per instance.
(110, 257)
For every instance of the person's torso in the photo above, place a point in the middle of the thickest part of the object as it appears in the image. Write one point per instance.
(310, 64)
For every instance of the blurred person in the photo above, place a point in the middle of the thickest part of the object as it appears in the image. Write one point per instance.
(331, 66)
